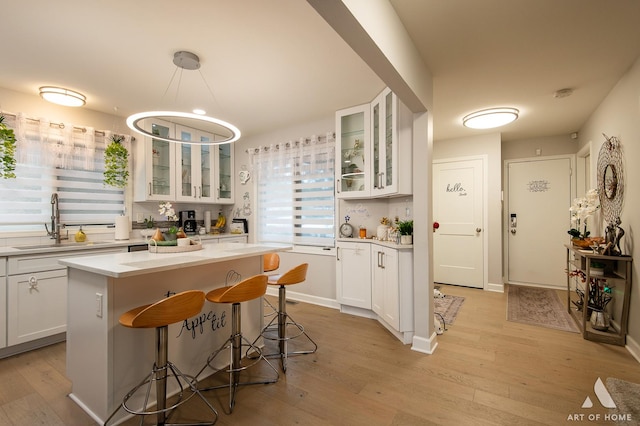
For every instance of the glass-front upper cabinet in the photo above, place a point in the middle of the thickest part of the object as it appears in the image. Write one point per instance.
(154, 164)
(224, 176)
(353, 139)
(391, 134)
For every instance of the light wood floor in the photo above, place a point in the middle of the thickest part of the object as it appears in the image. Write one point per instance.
(485, 371)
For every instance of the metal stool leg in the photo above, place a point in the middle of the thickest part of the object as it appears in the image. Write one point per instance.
(159, 374)
(284, 320)
(235, 343)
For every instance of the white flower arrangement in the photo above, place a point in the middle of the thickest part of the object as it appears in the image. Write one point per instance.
(581, 210)
(166, 209)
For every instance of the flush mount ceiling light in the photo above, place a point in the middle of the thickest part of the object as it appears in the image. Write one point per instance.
(62, 96)
(490, 118)
(225, 132)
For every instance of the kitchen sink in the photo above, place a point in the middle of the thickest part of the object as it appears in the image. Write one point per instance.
(54, 245)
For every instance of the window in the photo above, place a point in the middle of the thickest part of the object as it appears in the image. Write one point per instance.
(57, 158)
(295, 192)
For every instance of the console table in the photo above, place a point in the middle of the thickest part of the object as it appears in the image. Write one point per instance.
(612, 281)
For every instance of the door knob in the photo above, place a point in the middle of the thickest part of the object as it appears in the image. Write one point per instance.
(513, 231)
(436, 225)
(478, 230)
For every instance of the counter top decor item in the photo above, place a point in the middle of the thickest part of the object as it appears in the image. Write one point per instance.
(405, 229)
(7, 151)
(116, 163)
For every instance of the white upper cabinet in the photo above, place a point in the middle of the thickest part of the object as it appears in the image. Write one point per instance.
(374, 145)
(154, 163)
(190, 172)
(391, 145)
(353, 146)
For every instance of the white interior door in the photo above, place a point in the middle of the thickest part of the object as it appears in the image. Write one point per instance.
(539, 197)
(458, 208)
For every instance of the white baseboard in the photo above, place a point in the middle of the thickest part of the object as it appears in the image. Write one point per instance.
(301, 297)
(498, 288)
(633, 347)
(426, 346)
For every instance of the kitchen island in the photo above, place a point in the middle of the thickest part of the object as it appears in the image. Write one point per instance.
(104, 359)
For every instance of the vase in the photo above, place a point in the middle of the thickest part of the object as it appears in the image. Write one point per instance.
(406, 239)
(170, 236)
(600, 320)
(381, 232)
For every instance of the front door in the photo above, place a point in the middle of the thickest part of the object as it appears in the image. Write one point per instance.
(539, 197)
(458, 209)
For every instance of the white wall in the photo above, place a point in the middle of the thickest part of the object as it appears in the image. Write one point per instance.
(490, 145)
(619, 115)
(551, 145)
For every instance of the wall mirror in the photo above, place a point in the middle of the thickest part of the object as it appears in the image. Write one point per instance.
(611, 179)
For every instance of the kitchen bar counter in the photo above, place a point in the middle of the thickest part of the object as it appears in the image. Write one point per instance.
(105, 359)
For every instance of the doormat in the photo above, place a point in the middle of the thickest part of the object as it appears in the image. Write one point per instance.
(538, 306)
(626, 396)
(448, 307)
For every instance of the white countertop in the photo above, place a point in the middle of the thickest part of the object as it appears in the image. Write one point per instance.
(70, 245)
(377, 242)
(122, 265)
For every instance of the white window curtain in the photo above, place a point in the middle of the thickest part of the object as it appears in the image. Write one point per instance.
(62, 158)
(295, 191)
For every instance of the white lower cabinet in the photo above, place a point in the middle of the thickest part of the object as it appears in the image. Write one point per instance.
(36, 298)
(378, 279)
(392, 289)
(37, 305)
(353, 274)
(384, 286)
(3, 302)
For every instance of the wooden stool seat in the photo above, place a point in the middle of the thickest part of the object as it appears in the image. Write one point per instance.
(166, 311)
(248, 289)
(160, 315)
(277, 330)
(270, 262)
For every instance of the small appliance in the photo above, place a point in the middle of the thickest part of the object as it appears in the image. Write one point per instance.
(188, 221)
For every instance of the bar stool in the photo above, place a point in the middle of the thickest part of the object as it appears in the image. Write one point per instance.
(159, 315)
(277, 331)
(248, 289)
(270, 262)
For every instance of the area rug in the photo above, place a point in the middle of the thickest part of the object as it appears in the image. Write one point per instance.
(448, 307)
(538, 306)
(626, 396)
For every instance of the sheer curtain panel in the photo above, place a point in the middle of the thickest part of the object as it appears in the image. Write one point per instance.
(62, 158)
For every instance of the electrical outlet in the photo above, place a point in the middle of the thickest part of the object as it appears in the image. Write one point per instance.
(139, 217)
(99, 305)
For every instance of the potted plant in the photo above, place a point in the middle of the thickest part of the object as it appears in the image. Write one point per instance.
(7, 151)
(581, 209)
(405, 229)
(116, 163)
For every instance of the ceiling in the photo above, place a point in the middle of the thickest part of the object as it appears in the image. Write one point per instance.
(273, 64)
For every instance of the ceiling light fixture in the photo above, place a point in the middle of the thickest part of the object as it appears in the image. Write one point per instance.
(490, 118)
(228, 132)
(62, 96)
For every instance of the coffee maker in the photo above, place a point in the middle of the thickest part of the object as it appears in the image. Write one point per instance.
(188, 221)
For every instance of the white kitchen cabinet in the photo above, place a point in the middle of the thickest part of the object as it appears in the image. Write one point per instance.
(392, 289)
(37, 305)
(391, 143)
(154, 164)
(36, 296)
(3, 302)
(353, 148)
(192, 172)
(353, 275)
(204, 170)
(374, 145)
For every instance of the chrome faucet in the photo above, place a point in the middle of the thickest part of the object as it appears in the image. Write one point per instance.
(56, 226)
